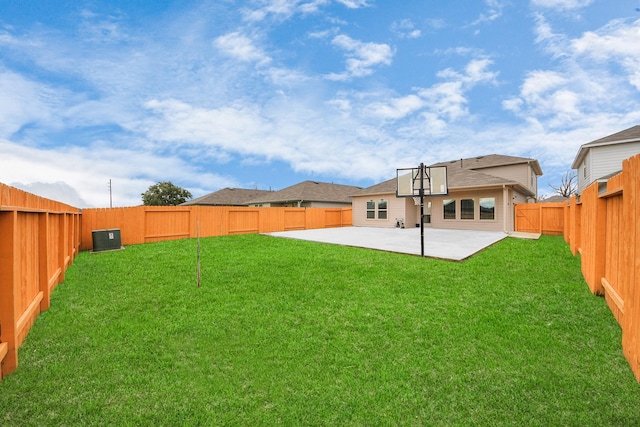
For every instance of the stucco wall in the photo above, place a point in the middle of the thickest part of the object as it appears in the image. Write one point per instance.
(523, 173)
(395, 209)
(406, 209)
(497, 224)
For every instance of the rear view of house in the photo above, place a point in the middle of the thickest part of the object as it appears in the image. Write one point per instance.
(481, 196)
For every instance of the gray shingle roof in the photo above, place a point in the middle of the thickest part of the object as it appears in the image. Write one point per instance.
(309, 191)
(628, 135)
(490, 161)
(227, 197)
(631, 134)
(465, 173)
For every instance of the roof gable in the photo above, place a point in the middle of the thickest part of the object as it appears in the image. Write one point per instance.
(628, 135)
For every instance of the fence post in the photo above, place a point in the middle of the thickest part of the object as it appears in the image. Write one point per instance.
(574, 230)
(43, 260)
(8, 285)
(631, 259)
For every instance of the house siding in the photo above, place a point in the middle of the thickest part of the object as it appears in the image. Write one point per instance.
(604, 160)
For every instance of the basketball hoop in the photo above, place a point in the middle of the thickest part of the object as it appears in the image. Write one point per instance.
(418, 183)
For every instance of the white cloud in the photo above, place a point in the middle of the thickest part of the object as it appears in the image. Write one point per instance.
(361, 56)
(398, 107)
(494, 11)
(24, 102)
(58, 191)
(539, 82)
(562, 4)
(285, 9)
(241, 47)
(339, 145)
(586, 82)
(555, 44)
(446, 100)
(405, 28)
(354, 4)
(441, 103)
(84, 172)
(616, 42)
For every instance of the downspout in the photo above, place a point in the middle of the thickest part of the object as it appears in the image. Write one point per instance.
(505, 208)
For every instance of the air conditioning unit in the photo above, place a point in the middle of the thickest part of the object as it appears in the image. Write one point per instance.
(106, 240)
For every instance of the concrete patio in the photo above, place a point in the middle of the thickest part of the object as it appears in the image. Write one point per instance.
(454, 245)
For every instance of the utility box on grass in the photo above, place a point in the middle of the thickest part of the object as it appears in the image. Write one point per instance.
(106, 240)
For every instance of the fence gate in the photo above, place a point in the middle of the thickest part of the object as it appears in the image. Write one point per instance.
(527, 218)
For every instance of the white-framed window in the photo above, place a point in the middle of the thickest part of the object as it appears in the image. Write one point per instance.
(371, 209)
(487, 208)
(449, 209)
(382, 209)
(467, 209)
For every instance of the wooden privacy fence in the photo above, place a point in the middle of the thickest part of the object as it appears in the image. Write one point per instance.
(603, 226)
(144, 224)
(39, 239)
(543, 218)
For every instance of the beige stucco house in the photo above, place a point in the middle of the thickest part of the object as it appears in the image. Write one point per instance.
(227, 197)
(302, 195)
(308, 194)
(482, 193)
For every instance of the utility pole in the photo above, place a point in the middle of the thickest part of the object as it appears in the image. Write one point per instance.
(110, 194)
(422, 209)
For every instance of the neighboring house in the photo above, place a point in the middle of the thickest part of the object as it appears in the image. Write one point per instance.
(554, 199)
(482, 192)
(603, 157)
(227, 197)
(308, 194)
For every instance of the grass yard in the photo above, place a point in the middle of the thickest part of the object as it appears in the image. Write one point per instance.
(287, 332)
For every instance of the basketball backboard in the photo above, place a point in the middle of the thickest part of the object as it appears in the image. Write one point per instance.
(434, 181)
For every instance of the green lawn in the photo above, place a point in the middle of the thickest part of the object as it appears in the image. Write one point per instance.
(287, 332)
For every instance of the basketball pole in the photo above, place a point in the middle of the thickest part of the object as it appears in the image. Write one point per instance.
(422, 209)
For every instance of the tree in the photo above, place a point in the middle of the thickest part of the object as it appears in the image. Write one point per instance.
(568, 186)
(165, 194)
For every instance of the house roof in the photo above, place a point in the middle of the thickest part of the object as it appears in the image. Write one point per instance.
(491, 161)
(227, 197)
(309, 191)
(628, 135)
(554, 199)
(465, 173)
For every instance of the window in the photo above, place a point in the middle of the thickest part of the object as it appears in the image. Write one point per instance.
(467, 209)
(371, 209)
(449, 208)
(382, 209)
(487, 208)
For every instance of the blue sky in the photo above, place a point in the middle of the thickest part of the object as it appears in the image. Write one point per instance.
(268, 93)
